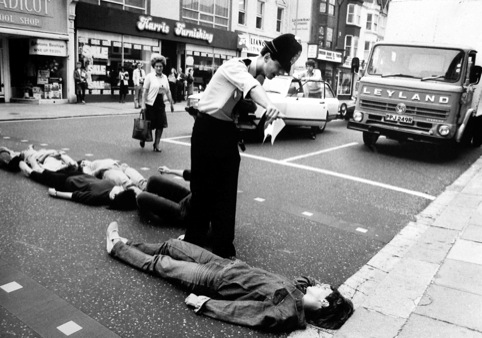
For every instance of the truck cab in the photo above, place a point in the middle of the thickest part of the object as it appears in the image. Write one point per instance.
(418, 92)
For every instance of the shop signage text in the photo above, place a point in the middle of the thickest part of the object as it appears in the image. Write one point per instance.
(328, 55)
(20, 20)
(251, 43)
(48, 47)
(145, 23)
(38, 7)
(195, 33)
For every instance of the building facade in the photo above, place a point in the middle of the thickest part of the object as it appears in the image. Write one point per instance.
(108, 38)
(35, 42)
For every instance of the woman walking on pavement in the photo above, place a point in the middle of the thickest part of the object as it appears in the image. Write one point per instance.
(156, 86)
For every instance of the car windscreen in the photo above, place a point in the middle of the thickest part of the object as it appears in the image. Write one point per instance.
(425, 63)
(277, 85)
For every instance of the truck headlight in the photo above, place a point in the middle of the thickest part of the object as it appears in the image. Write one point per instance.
(358, 116)
(444, 130)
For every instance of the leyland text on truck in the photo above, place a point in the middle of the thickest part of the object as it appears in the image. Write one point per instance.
(419, 92)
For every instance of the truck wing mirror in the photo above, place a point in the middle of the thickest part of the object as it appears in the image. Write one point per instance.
(475, 74)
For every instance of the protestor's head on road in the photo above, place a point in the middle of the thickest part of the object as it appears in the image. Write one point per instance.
(121, 199)
(279, 54)
(325, 306)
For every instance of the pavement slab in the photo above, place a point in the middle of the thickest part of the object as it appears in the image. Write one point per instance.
(459, 275)
(420, 326)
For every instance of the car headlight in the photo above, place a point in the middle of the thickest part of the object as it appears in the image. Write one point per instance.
(443, 130)
(358, 116)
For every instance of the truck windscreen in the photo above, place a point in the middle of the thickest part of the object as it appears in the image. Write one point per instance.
(416, 62)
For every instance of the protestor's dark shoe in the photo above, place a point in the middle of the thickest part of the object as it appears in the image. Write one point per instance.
(142, 143)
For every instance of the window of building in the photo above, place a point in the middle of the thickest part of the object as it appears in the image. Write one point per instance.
(327, 6)
(321, 37)
(242, 12)
(259, 14)
(210, 13)
(366, 50)
(353, 14)
(329, 37)
(372, 22)
(279, 19)
(351, 46)
(139, 6)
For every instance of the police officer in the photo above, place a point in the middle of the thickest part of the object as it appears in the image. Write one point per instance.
(214, 145)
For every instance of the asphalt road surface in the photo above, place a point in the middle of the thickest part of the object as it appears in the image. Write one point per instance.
(319, 207)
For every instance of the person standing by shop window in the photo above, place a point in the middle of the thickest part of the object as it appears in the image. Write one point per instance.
(80, 78)
(190, 83)
(215, 156)
(181, 85)
(156, 86)
(123, 84)
(173, 83)
(138, 77)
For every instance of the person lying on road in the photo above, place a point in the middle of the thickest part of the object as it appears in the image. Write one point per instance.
(82, 188)
(231, 290)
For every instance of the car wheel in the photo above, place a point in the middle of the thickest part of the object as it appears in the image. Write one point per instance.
(344, 111)
(370, 138)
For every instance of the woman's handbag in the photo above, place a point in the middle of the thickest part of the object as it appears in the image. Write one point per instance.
(142, 128)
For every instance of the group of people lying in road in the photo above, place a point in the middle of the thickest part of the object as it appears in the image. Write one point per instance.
(221, 288)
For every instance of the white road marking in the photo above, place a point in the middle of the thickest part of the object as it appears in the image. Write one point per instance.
(69, 328)
(327, 172)
(294, 158)
(363, 230)
(306, 213)
(10, 287)
(259, 199)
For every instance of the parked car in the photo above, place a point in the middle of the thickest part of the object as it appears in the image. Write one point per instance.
(299, 105)
(347, 107)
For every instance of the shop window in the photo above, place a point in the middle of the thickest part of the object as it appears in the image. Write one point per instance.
(103, 59)
(35, 76)
(351, 46)
(242, 12)
(279, 19)
(344, 84)
(259, 14)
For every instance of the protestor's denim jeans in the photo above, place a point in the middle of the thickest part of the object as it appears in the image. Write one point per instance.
(177, 261)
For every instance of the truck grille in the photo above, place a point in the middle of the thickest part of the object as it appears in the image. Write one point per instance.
(384, 107)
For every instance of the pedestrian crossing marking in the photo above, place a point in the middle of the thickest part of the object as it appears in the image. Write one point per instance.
(259, 199)
(362, 230)
(306, 213)
(10, 287)
(69, 328)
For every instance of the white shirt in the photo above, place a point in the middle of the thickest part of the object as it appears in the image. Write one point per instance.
(137, 75)
(230, 81)
(155, 85)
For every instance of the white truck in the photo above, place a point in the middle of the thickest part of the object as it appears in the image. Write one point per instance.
(423, 82)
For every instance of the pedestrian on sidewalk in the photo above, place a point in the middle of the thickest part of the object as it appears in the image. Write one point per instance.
(80, 79)
(173, 83)
(138, 77)
(123, 84)
(233, 291)
(156, 86)
(215, 156)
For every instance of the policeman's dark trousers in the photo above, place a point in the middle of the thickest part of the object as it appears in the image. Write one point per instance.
(214, 184)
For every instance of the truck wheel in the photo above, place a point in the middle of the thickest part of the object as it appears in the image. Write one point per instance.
(344, 111)
(370, 138)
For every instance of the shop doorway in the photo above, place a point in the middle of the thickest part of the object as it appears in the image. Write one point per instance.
(2, 77)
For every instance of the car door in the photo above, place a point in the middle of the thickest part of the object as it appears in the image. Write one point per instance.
(331, 102)
(302, 109)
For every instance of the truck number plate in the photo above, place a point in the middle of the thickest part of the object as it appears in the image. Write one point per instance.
(399, 118)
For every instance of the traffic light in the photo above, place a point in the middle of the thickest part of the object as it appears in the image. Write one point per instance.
(355, 65)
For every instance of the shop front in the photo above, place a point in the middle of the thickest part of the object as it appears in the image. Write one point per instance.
(108, 39)
(328, 62)
(34, 46)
